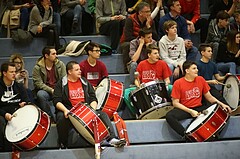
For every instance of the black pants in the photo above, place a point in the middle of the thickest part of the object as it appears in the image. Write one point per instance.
(4, 144)
(174, 116)
(50, 32)
(64, 125)
(113, 29)
(202, 24)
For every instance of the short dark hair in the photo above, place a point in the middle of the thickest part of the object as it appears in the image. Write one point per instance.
(187, 64)
(69, 65)
(203, 46)
(90, 46)
(141, 5)
(151, 47)
(46, 50)
(170, 3)
(5, 65)
(144, 31)
(222, 15)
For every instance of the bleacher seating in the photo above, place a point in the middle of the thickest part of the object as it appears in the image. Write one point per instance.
(152, 139)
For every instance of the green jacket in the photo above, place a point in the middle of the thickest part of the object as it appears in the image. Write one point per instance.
(39, 74)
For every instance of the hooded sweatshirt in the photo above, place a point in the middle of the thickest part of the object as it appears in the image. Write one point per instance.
(172, 52)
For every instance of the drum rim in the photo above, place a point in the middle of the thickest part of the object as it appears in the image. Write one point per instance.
(204, 121)
(234, 76)
(163, 105)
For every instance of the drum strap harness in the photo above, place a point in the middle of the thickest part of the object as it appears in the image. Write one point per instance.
(121, 127)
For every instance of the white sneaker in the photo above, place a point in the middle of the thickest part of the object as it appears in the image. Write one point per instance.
(117, 143)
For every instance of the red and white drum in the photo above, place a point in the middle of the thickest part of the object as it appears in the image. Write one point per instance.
(231, 91)
(205, 127)
(28, 128)
(82, 117)
(109, 94)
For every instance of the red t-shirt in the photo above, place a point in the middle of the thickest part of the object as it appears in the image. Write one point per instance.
(190, 93)
(76, 93)
(149, 72)
(192, 8)
(51, 77)
(93, 74)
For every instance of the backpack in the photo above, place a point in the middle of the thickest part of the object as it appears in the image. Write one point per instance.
(11, 20)
(105, 49)
(74, 48)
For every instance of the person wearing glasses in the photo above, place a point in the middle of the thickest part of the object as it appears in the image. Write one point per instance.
(92, 69)
(22, 74)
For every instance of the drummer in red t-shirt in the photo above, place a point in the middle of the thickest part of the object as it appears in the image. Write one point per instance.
(187, 95)
(92, 69)
(152, 68)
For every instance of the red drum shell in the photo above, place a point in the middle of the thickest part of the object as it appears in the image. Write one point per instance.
(215, 121)
(38, 133)
(82, 117)
(109, 93)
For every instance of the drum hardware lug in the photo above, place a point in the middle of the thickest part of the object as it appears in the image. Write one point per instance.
(213, 123)
(152, 104)
(134, 98)
(147, 93)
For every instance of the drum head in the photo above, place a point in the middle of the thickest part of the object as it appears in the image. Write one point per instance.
(231, 94)
(82, 128)
(201, 118)
(22, 124)
(102, 91)
(156, 112)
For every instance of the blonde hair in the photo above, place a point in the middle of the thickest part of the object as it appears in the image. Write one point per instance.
(17, 56)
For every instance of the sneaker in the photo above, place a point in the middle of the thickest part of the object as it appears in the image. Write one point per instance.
(117, 143)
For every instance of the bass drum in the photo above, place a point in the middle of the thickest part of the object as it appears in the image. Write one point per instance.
(28, 128)
(205, 127)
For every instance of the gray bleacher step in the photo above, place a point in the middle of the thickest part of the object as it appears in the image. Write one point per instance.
(145, 131)
(204, 150)
(8, 46)
(124, 78)
(114, 63)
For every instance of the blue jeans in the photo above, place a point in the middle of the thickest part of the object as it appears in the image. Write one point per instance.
(132, 69)
(228, 67)
(45, 103)
(192, 54)
(57, 21)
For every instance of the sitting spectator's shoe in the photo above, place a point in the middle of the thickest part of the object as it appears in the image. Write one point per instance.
(117, 143)
(75, 26)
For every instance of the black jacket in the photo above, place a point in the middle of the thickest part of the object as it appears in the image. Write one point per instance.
(11, 97)
(61, 92)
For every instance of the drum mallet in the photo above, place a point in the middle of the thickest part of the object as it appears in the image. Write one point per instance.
(227, 85)
(204, 112)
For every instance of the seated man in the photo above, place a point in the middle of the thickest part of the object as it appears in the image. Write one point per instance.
(217, 31)
(71, 12)
(13, 96)
(182, 28)
(172, 49)
(187, 95)
(138, 48)
(207, 69)
(91, 68)
(153, 68)
(111, 16)
(47, 71)
(71, 90)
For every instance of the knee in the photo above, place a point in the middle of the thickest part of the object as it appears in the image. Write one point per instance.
(133, 65)
(78, 7)
(41, 94)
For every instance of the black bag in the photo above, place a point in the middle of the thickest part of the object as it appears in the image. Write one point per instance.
(21, 36)
(105, 49)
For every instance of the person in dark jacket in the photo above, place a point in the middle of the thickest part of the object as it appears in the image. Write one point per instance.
(70, 91)
(13, 96)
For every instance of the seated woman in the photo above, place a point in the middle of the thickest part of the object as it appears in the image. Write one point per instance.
(228, 54)
(22, 75)
(40, 23)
